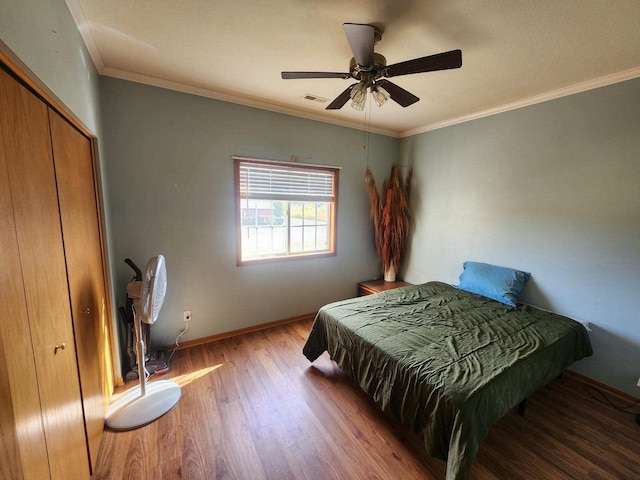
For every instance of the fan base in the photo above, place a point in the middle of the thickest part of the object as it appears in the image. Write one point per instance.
(132, 410)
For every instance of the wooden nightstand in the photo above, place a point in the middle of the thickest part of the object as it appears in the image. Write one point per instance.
(377, 286)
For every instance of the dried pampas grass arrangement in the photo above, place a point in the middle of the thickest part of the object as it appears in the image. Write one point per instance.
(390, 217)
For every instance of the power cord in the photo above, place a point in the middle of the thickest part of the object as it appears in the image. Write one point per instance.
(180, 335)
(607, 401)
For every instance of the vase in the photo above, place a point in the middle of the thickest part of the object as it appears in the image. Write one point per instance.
(390, 274)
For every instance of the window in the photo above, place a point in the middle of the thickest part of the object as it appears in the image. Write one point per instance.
(284, 210)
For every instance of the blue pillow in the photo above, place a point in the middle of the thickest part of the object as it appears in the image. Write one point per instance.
(498, 283)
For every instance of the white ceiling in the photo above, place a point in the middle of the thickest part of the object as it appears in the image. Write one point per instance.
(514, 53)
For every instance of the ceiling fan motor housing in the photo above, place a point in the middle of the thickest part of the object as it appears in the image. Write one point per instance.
(379, 62)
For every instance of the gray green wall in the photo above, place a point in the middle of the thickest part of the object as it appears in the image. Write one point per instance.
(170, 180)
(44, 36)
(553, 189)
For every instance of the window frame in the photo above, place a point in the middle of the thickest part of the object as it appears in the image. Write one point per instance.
(332, 225)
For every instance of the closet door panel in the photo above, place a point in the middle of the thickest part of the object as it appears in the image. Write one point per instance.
(81, 236)
(10, 460)
(22, 429)
(38, 232)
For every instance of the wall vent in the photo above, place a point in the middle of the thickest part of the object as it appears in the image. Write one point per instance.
(315, 98)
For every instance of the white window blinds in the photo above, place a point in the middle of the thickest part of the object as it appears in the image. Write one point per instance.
(280, 181)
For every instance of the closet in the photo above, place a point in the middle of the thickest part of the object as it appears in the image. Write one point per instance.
(55, 353)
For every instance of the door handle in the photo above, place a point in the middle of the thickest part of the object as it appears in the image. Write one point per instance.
(62, 346)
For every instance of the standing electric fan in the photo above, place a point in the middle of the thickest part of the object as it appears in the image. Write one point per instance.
(137, 407)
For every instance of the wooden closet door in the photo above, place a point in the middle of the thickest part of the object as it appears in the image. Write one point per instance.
(81, 236)
(31, 179)
(24, 452)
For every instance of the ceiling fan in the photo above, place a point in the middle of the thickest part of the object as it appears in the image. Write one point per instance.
(371, 70)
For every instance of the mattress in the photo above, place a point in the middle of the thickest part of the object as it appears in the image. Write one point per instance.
(444, 362)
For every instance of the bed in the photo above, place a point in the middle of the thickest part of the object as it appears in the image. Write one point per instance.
(445, 362)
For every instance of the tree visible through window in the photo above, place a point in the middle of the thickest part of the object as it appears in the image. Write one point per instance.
(284, 210)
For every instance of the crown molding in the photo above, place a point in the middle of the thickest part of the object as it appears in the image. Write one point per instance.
(225, 97)
(544, 97)
(83, 25)
(204, 92)
(85, 32)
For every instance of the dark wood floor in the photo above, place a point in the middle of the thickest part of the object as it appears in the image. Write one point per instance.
(253, 407)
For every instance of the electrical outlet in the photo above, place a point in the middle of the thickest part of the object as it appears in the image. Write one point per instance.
(186, 315)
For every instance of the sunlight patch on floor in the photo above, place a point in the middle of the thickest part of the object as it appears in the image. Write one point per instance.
(187, 378)
(181, 380)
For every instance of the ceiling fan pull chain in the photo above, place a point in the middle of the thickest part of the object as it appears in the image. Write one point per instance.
(366, 134)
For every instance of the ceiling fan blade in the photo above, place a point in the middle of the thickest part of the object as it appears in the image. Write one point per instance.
(341, 99)
(398, 94)
(439, 61)
(361, 39)
(294, 75)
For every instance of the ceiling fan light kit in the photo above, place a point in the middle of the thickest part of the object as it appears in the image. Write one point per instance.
(358, 96)
(371, 71)
(380, 95)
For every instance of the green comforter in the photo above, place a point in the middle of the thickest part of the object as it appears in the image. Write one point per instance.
(445, 362)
